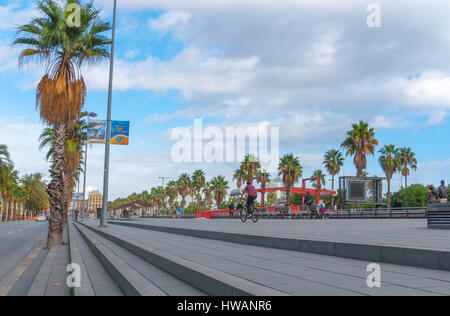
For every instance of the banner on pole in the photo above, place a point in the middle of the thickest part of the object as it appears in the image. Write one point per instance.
(120, 132)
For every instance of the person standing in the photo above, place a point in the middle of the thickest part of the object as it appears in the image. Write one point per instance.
(443, 192)
(432, 195)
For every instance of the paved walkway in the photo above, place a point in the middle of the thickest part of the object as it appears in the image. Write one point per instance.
(403, 233)
(291, 272)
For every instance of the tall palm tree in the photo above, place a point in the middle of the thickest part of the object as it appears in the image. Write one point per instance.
(291, 170)
(8, 178)
(198, 181)
(76, 138)
(250, 165)
(61, 92)
(408, 160)
(390, 163)
(239, 176)
(208, 192)
(37, 198)
(333, 161)
(318, 174)
(219, 187)
(172, 193)
(360, 142)
(184, 184)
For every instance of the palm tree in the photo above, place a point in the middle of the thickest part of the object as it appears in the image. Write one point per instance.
(172, 193)
(198, 180)
(37, 198)
(208, 192)
(318, 174)
(4, 156)
(390, 163)
(219, 187)
(291, 170)
(250, 165)
(184, 184)
(333, 161)
(76, 138)
(360, 142)
(8, 178)
(61, 92)
(407, 160)
(239, 176)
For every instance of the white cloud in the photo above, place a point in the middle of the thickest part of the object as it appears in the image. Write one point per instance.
(170, 21)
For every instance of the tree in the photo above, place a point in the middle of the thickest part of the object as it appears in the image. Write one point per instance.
(184, 184)
(208, 192)
(4, 156)
(413, 196)
(198, 181)
(360, 142)
(8, 178)
(239, 176)
(407, 160)
(61, 93)
(318, 174)
(219, 187)
(37, 198)
(333, 161)
(291, 170)
(250, 166)
(390, 163)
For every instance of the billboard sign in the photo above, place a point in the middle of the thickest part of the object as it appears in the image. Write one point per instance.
(120, 132)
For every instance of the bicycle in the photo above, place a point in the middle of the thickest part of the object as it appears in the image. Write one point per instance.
(245, 215)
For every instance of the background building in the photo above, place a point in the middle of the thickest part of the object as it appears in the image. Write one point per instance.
(95, 200)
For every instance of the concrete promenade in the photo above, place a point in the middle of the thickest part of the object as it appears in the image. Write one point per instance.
(390, 232)
(290, 272)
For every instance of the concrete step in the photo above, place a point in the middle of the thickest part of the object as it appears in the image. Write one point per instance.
(95, 279)
(206, 279)
(384, 253)
(132, 272)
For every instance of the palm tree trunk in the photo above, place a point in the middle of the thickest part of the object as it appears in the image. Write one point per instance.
(288, 195)
(332, 189)
(56, 188)
(406, 182)
(8, 205)
(389, 193)
(2, 209)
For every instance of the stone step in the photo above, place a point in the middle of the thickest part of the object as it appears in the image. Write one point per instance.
(206, 279)
(95, 279)
(130, 281)
(407, 256)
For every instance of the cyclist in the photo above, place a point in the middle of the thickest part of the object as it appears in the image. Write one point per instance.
(252, 195)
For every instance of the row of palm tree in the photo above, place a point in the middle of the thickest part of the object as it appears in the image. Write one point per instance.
(60, 96)
(360, 143)
(20, 196)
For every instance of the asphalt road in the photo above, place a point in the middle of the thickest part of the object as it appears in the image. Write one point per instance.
(17, 240)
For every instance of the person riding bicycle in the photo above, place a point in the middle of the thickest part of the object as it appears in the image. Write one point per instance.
(252, 195)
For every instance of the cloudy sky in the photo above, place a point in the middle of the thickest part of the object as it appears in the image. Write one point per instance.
(309, 67)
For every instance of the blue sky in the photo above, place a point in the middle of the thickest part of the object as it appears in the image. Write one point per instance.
(309, 68)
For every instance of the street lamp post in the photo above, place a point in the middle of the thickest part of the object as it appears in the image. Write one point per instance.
(108, 124)
(93, 115)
